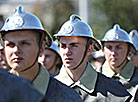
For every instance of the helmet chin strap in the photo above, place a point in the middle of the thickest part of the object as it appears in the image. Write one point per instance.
(81, 60)
(36, 60)
(125, 60)
(87, 45)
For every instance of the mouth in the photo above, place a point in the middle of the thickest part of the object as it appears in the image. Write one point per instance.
(68, 59)
(113, 59)
(17, 60)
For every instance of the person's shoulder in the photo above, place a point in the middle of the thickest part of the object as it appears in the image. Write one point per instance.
(110, 82)
(112, 86)
(134, 78)
(22, 88)
(62, 92)
(11, 78)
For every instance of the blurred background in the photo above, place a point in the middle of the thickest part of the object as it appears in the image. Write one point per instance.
(101, 15)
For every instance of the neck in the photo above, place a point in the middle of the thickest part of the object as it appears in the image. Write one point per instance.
(96, 64)
(52, 70)
(75, 74)
(30, 73)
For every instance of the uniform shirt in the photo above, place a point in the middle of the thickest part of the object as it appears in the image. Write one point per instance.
(93, 86)
(42, 80)
(54, 90)
(128, 76)
(125, 74)
(86, 82)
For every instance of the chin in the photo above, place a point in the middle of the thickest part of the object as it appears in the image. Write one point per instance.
(17, 68)
(71, 68)
(112, 65)
(67, 66)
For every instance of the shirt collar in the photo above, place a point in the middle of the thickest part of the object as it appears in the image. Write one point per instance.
(127, 71)
(86, 82)
(42, 80)
(64, 77)
(125, 74)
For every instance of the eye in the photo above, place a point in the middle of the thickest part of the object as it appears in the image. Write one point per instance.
(74, 45)
(118, 47)
(63, 46)
(25, 43)
(109, 47)
(10, 44)
(47, 56)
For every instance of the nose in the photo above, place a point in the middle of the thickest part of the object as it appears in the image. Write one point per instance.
(17, 49)
(113, 51)
(68, 51)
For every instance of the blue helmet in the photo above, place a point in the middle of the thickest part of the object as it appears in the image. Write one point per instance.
(134, 37)
(76, 27)
(21, 20)
(118, 34)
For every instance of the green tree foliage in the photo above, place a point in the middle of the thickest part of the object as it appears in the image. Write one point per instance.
(54, 13)
(109, 12)
(61, 12)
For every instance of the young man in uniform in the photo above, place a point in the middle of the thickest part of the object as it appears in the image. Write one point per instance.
(134, 37)
(76, 43)
(117, 47)
(51, 59)
(23, 35)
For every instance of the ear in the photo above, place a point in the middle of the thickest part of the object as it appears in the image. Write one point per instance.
(90, 49)
(42, 48)
(131, 51)
(57, 60)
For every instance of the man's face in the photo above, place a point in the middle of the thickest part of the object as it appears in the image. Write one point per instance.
(115, 53)
(21, 49)
(72, 50)
(134, 59)
(48, 59)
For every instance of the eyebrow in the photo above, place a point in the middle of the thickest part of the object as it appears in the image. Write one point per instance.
(115, 45)
(73, 43)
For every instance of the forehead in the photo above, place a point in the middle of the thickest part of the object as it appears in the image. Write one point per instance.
(19, 35)
(48, 51)
(115, 43)
(72, 39)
